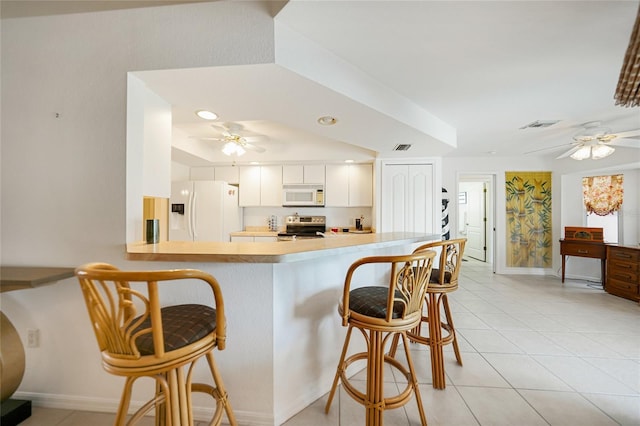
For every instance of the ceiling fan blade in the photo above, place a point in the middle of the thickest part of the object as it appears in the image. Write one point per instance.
(255, 138)
(254, 148)
(210, 139)
(629, 134)
(568, 153)
(549, 148)
(626, 142)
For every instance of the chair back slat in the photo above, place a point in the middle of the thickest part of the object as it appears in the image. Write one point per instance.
(449, 259)
(408, 280)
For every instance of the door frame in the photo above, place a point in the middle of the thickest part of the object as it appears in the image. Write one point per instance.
(490, 180)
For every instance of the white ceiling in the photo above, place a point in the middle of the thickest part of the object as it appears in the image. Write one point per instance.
(485, 68)
(474, 71)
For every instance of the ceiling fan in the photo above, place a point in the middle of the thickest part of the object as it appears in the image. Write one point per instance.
(596, 142)
(235, 142)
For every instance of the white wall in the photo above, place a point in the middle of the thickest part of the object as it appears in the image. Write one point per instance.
(64, 81)
(452, 167)
(148, 151)
(566, 198)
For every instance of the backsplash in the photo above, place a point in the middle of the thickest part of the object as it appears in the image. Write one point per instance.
(337, 217)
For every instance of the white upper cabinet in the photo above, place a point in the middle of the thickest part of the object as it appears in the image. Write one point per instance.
(312, 173)
(349, 185)
(271, 185)
(249, 178)
(360, 185)
(260, 186)
(229, 174)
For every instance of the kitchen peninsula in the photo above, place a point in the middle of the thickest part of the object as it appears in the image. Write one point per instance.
(284, 332)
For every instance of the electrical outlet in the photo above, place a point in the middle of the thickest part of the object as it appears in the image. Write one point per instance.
(33, 338)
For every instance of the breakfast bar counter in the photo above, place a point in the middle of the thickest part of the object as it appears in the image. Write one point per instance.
(284, 334)
(268, 252)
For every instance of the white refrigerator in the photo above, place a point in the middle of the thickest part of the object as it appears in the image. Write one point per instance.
(203, 211)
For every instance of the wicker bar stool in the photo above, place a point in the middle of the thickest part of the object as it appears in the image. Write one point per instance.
(444, 280)
(138, 338)
(381, 312)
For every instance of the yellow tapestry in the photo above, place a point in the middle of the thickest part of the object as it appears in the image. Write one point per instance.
(528, 200)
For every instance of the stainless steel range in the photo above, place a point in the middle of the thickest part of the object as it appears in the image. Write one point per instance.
(300, 227)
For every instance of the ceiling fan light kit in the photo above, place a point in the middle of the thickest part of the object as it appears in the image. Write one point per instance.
(582, 154)
(596, 152)
(231, 148)
(600, 151)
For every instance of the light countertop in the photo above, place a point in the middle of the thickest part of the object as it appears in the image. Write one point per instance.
(268, 252)
(20, 277)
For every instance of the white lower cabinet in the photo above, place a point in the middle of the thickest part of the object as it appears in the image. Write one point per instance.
(242, 239)
(253, 239)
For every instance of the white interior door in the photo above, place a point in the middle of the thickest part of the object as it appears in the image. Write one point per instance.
(407, 198)
(474, 216)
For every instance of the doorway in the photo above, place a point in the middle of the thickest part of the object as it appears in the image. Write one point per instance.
(476, 210)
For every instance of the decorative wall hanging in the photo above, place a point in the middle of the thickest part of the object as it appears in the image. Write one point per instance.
(602, 195)
(445, 215)
(528, 201)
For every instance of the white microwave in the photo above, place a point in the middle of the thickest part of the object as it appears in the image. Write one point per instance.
(302, 195)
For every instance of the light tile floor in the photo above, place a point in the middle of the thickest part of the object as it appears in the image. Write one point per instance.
(535, 352)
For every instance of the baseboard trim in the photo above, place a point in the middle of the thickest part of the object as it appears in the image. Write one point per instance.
(108, 405)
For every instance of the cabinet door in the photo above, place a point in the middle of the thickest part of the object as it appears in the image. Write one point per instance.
(360, 185)
(265, 239)
(336, 188)
(242, 239)
(228, 174)
(292, 174)
(407, 198)
(421, 198)
(271, 185)
(249, 186)
(314, 173)
(395, 198)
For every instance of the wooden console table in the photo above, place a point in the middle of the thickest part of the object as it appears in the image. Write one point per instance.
(591, 249)
(12, 359)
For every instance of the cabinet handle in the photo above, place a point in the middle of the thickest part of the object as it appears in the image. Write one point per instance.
(583, 251)
(623, 255)
(623, 276)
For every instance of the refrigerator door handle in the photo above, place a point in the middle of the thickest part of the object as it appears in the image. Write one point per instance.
(192, 219)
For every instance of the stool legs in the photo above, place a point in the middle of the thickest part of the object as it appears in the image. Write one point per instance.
(172, 400)
(450, 328)
(374, 401)
(435, 341)
(339, 370)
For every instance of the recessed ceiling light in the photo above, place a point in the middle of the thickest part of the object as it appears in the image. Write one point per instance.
(207, 115)
(327, 120)
(348, 161)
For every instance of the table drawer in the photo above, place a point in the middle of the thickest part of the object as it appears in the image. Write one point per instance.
(614, 264)
(628, 290)
(626, 275)
(584, 250)
(616, 253)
